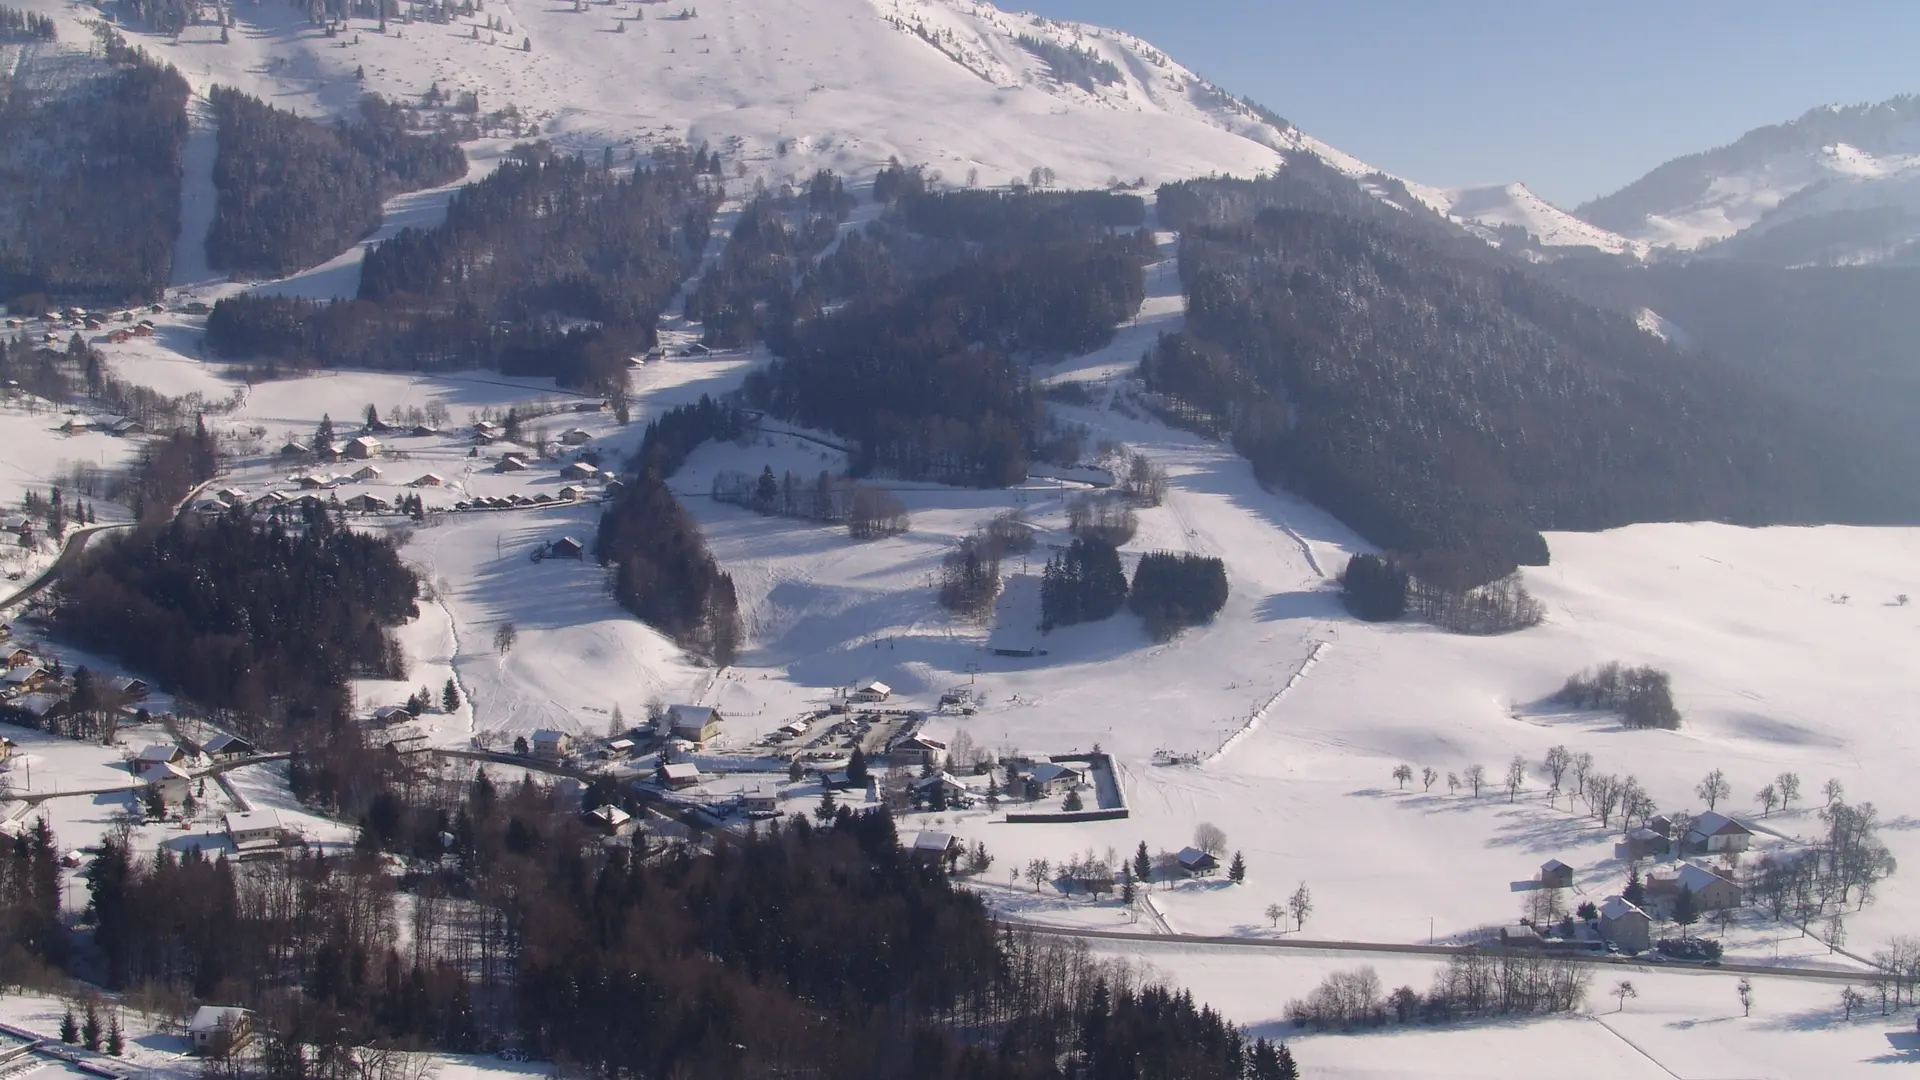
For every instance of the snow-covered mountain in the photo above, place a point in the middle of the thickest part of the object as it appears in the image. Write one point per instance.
(1495, 211)
(784, 87)
(1838, 185)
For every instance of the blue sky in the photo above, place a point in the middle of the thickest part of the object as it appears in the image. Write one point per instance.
(1575, 99)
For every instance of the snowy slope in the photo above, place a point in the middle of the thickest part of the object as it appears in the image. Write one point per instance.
(1500, 206)
(782, 87)
(1816, 175)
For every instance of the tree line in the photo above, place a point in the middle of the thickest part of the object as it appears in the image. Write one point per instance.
(662, 570)
(545, 239)
(1472, 985)
(90, 182)
(869, 512)
(29, 25)
(292, 192)
(1449, 405)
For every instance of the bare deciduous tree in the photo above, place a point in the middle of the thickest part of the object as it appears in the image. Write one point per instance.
(1210, 838)
(1712, 788)
(1476, 778)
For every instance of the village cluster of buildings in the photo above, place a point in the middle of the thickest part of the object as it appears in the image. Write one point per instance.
(74, 320)
(1626, 924)
(585, 478)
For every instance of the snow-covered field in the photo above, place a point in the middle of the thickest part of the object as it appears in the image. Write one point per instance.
(1686, 1024)
(1790, 649)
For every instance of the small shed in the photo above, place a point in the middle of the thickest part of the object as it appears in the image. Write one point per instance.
(566, 548)
(362, 447)
(427, 480)
(580, 470)
(1555, 874)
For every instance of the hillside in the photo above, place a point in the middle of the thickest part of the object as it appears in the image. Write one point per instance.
(1838, 185)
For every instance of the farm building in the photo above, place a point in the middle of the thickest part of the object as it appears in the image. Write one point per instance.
(694, 723)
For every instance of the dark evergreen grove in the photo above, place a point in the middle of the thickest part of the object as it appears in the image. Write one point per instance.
(1084, 583)
(1072, 64)
(1375, 589)
(292, 193)
(265, 622)
(545, 238)
(1449, 405)
(1172, 591)
(662, 570)
(90, 180)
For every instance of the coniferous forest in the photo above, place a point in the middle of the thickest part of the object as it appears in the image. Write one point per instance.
(544, 239)
(662, 570)
(90, 179)
(265, 622)
(291, 193)
(1449, 405)
(912, 337)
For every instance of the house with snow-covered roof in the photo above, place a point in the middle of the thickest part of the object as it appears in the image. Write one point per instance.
(1196, 863)
(1626, 925)
(1714, 833)
(694, 723)
(1711, 892)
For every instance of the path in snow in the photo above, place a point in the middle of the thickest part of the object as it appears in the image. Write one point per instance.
(197, 198)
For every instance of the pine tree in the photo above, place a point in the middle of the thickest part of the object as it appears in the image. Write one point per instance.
(1237, 870)
(1072, 803)
(116, 1039)
(323, 435)
(825, 811)
(1143, 864)
(857, 771)
(90, 1030)
(373, 418)
(69, 1027)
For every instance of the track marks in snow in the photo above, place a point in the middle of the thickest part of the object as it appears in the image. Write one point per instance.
(1259, 715)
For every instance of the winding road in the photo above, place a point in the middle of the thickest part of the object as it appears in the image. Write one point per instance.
(70, 549)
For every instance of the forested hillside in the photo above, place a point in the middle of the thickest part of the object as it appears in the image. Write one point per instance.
(89, 176)
(912, 338)
(1449, 405)
(1840, 337)
(544, 239)
(293, 193)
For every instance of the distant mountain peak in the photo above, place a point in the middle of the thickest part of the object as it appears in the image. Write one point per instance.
(1838, 184)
